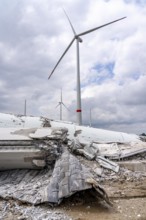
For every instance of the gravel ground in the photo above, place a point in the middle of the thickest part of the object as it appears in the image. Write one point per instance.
(128, 198)
(12, 210)
(127, 191)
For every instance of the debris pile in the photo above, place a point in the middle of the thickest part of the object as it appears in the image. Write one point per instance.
(110, 162)
(53, 160)
(114, 151)
(13, 210)
(53, 174)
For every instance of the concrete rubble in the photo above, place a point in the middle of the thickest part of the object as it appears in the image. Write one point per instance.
(55, 173)
(108, 155)
(15, 211)
(46, 161)
(107, 164)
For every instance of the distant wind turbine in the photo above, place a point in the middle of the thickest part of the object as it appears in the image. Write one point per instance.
(79, 40)
(25, 107)
(61, 104)
(90, 117)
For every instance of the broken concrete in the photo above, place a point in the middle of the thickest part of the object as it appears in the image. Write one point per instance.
(105, 153)
(107, 164)
(86, 149)
(112, 151)
(41, 145)
(134, 165)
(12, 210)
(62, 174)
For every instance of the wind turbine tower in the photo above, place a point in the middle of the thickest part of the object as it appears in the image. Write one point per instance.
(78, 39)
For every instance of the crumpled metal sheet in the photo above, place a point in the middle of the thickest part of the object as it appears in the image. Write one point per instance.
(48, 185)
(69, 176)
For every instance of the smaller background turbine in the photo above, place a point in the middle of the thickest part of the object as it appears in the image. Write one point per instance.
(61, 104)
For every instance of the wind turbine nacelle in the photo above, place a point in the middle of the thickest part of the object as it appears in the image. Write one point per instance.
(79, 39)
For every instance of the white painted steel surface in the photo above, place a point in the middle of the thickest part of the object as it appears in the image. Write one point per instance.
(85, 134)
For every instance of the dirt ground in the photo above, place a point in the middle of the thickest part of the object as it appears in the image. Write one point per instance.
(122, 209)
(127, 194)
(129, 202)
(128, 198)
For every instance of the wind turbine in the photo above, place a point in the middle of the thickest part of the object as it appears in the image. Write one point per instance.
(90, 117)
(60, 104)
(79, 40)
(25, 107)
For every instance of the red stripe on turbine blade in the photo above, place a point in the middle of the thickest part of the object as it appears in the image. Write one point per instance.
(78, 110)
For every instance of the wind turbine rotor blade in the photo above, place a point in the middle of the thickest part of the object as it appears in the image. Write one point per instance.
(70, 22)
(65, 106)
(94, 29)
(57, 105)
(62, 57)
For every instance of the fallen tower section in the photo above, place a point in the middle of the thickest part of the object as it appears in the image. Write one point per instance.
(36, 167)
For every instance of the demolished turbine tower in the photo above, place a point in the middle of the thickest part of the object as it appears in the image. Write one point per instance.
(79, 40)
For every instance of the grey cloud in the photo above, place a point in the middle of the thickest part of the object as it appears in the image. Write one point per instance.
(33, 36)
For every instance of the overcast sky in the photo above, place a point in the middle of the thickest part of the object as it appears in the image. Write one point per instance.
(35, 33)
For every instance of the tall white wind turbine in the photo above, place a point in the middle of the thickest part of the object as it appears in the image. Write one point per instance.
(61, 104)
(79, 40)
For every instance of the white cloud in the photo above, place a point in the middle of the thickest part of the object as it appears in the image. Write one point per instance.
(35, 33)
